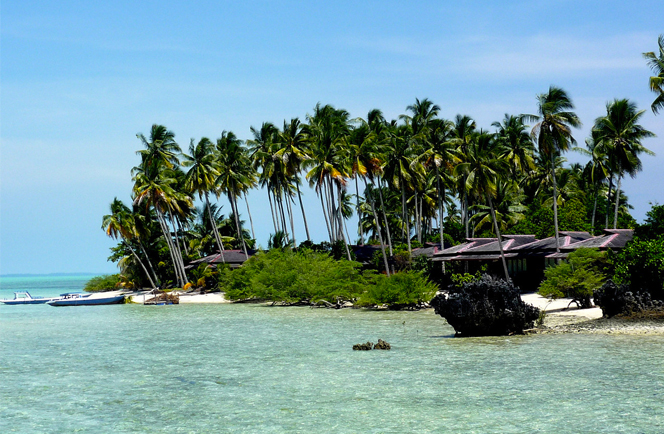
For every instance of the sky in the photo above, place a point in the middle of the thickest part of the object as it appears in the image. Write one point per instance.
(79, 80)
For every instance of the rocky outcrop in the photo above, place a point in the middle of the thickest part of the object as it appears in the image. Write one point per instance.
(382, 345)
(485, 307)
(622, 300)
(363, 347)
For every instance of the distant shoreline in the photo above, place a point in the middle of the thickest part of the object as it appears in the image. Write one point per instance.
(51, 274)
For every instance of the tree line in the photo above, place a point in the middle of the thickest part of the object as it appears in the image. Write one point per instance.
(414, 178)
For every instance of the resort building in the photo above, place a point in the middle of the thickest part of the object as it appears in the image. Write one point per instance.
(527, 257)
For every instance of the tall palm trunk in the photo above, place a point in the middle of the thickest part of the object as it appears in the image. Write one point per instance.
(387, 225)
(465, 216)
(500, 242)
(405, 214)
(304, 216)
(147, 258)
(215, 230)
(289, 209)
(251, 220)
(140, 263)
(322, 204)
(169, 242)
(341, 227)
(608, 202)
(280, 202)
(592, 221)
(615, 216)
(274, 220)
(231, 198)
(380, 235)
(441, 199)
(357, 209)
(555, 203)
(178, 252)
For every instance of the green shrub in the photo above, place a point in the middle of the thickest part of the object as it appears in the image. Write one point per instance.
(641, 266)
(287, 276)
(405, 289)
(575, 278)
(106, 282)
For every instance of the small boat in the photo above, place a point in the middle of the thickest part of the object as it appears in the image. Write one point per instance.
(24, 297)
(82, 299)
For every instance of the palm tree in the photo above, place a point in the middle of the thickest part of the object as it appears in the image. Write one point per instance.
(620, 135)
(119, 224)
(463, 131)
(440, 153)
(515, 144)
(202, 176)
(482, 169)
(234, 174)
(261, 154)
(553, 133)
(154, 182)
(327, 131)
(293, 153)
(656, 63)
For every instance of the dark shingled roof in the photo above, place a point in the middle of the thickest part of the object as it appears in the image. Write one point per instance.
(545, 246)
(364, 253)
(612, 239)
(469, 244)
(427, 251)
(231, 257)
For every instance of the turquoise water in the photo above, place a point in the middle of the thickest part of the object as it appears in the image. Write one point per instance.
(252, 368)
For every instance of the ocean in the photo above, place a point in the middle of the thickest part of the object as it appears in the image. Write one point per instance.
(236, 368)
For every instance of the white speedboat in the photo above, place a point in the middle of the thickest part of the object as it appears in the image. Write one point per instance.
(24, 297)
(82, 299)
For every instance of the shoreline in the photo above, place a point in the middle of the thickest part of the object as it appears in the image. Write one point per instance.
(560, 317)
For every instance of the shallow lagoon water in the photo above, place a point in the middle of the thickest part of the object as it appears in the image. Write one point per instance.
(253, 368)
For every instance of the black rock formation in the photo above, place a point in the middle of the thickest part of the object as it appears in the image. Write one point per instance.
(363, 347)
(382, 345)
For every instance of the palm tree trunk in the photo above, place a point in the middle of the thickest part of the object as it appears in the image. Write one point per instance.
(357, 209)
(592, 221)
(380, 235)
(341, 227)
(251, 220)
(231, 198)
(215, 230)
(274, 220)
(280, 204)
(147, 258)
(322, 204)
(608, 202)
(500, 242)
(405, 215)
(304, 216)
(289, 209)
(387, 225)
(417, 218)
(615, 216)
(169, 242)
(555, 203)
(140, 263)
(178, 252)
(441, 199)
(466, 219)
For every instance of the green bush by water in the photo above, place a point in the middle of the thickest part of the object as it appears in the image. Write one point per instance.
(106, 282)
(308, 276)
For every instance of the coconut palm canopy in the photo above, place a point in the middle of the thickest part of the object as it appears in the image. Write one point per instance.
(396, 177)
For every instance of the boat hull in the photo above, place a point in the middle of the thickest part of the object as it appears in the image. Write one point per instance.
(31, 301)
(87, 301)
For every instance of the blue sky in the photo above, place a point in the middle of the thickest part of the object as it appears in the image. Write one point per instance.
(80, 79)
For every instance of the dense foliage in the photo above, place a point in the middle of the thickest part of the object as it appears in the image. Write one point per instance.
(106, 282)
(485, 307)
(310, 277)
(640, 265)
(575, 278)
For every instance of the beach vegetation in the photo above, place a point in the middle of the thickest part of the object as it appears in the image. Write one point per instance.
(106, 282)
(576, 277)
